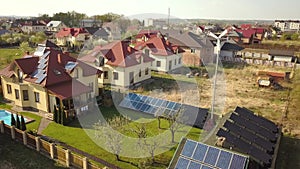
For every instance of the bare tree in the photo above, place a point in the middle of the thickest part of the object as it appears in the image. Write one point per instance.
(175, 123)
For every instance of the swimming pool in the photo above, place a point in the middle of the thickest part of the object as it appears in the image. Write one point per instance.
(6, 116)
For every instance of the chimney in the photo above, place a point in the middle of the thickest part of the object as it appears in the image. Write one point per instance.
(129, 49)
(167, 42)
(58, 58)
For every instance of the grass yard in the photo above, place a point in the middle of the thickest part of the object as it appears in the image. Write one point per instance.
(7, 55)
(33, 126)
(75, 136)
(14, 155)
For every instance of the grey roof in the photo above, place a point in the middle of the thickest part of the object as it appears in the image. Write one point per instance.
(276, 52)
(231, 47)
(234, 34)
(96, 31)
(3, 31)
(186, 39)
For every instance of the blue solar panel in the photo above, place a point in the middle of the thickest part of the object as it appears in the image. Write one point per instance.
(200, 152)
(194, 165)
(143, 98)
(138, 106)
(237, 161)
(177, 106)
(188, 148)
(153, 101)
(224, 160)
(41, 78)
(211, 156)
(182, 163)
(45, 54)
(206, 167)
(170, 105)
(158, 103)
(137, 98)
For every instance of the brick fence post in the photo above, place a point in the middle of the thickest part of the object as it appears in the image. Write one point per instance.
(13, 132)
(2, 126)
(52, 150)
(24, 137)
(67, 152)
(84, 163)
(37, 143)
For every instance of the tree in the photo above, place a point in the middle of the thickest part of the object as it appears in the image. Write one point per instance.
(24, 46)
(18, 125)
(175, 123)
(285, 36)
(63, 117)
(55, 114)
(23, 124)
(113, 140)
(13, 121)
(295, 36)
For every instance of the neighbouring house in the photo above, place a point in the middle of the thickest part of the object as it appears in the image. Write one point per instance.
(166, 55)
(39, 82)
(287, 25)
(71, 37)
(33, 26)
(282, 55)
(90, 23)
(250, 34)
(97, 33)
(55, 26)
(229, 50)
(197, 49)
(121, 64)
(4, 31)
(113, 30)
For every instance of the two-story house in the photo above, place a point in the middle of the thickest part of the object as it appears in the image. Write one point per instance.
(49, 78)
(166, 55)
(197, 50)
(71, 37)
(55, 26)
(121, 64)
(33, 26)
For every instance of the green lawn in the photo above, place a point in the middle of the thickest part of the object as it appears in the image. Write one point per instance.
(75, 136)
(32, 126)
(14, 155)
(8, 55)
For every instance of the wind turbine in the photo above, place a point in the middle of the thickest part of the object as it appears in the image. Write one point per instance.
(218, 38)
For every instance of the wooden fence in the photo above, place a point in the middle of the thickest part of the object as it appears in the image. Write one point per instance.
(50, 150)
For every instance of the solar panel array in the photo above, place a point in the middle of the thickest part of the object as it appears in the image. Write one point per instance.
(70, 65)
(202, 156)
(40, 73)
(193, 116)
(250, 134)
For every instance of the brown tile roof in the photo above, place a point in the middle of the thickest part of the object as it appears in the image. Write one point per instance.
(7, 71)
(68, 89)
(70, 32)
(27, 65)
(118, 54)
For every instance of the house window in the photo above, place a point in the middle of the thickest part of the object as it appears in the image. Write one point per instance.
(37, 96)
(25, 95)
(193, 50)
(158, 63)
(8, 89)
(76, 74)
(17, 94)
(105, 74)
(175, 62)
(147, 52)
(91, 85)
(146, 71)
(116, 76)
(179, 61)
(140, 73)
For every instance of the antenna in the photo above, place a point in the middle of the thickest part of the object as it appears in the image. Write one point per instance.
(168, 18)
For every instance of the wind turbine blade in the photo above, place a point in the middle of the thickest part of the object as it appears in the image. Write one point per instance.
(223, 33)
(212, 35)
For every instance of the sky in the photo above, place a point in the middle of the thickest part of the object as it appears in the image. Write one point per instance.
(183, 9)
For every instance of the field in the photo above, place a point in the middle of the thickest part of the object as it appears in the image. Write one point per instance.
(8, 55)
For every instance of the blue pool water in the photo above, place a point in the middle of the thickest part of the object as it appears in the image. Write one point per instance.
(6, 116)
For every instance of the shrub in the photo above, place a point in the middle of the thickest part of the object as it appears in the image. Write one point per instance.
(23, 124)
(18, 126)
(55, 114)
(13, 121)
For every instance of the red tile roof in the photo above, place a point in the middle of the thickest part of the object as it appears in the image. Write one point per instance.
(147, 33)
(118, 54)
(158, 46)
(247, 33)
(69, 89)
(7, 71)
(27, 65)
(70, 32)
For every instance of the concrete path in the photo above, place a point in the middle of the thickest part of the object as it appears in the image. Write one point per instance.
(44, 123)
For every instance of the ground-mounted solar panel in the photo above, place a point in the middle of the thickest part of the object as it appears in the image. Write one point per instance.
(182, 163)
(196, 155)
(189, 148)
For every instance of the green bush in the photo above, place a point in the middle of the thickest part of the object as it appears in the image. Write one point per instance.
(18, 126)
(13, 121)
(23, 124)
